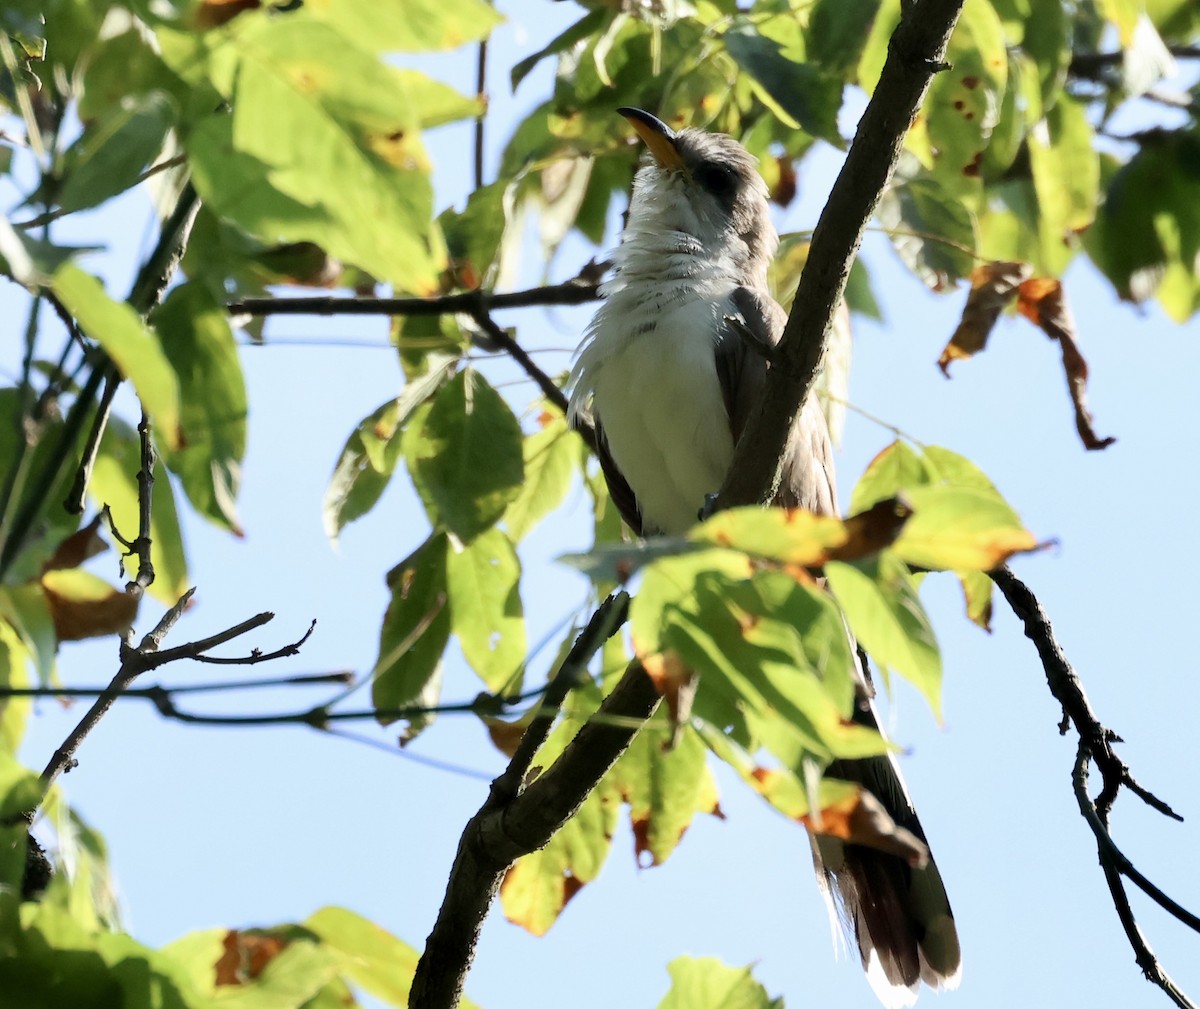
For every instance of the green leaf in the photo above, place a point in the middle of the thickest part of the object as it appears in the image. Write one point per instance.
(549, 456)
(298, 87)
(24, 608)
(897, 468)
(114, 483)
(799, 92)
(1147, 232)
(706, 983)
(961, 529)
(129, 342)
(364, 468)
(483, 581)
(1066, 178)
(860, 297)
(932, 231)
(665, 788)
(464, 454)
(15, 662)
(20, 788)
(837, 33)
(586, 26)
(411, 26)
(880, 602)
(537, 888)
(977, 594)
(415, 631)
(371, 957)
(195, 335)
(113, 150)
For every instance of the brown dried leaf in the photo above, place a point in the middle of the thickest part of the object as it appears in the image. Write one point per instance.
(993, 286)
(872, 530)
(506, 736)
(1043, 302)
(84, 606)
(213, 13)
(81, 545)
(861, 819)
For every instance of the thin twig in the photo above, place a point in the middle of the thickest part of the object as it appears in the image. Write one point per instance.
(1091, 65)
(1114, 865)
(573, 292)
(133, 664)
(550, 390)
(256, 656)
(1096, 745)
(83, 474)
(145, 482)
(481, 94)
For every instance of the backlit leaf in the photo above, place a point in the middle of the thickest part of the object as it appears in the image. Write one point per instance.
(196, 338)
(414, 634)
(464, 454)
(880, 602)
(483, 581)
(133, 347)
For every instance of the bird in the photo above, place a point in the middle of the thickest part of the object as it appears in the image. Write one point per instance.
(668, 374)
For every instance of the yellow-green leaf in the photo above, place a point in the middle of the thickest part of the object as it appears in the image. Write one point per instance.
(133, 347)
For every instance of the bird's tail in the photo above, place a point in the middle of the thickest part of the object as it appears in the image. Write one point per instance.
(894, 909)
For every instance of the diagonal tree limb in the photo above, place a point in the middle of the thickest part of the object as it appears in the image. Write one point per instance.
(915, 54)
(513, 822)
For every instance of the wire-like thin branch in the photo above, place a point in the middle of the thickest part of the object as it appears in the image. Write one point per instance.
(915, 54)
(91, 448)
(481, 95)
(513, 823)
(579, 291)
(256, 656)
(1092, 65)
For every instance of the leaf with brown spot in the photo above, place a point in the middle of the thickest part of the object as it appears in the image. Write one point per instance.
(1043, 302)
(993, 287)
(245, 956)
(81, 545)
(85, 606)
(861, 819)
(788, 535)
(872, 530)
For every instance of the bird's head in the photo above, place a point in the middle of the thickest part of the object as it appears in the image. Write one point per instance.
(704, 185)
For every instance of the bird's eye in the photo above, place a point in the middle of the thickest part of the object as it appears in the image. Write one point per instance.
(719, 180)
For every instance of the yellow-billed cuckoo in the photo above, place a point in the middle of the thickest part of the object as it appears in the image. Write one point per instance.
(669, 373)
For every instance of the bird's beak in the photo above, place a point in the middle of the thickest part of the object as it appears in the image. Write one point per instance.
(658, 137)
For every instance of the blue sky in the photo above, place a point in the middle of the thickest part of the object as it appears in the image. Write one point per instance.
(222, 827)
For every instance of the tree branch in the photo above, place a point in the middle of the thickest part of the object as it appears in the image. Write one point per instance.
(915, 53)
(499, 336)
(578, 291)
(1096, 745)
(1114, 864)
(512, 822)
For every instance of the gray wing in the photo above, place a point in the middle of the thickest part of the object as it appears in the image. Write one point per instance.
(618, 487)
(743, 350)
(898, 916)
